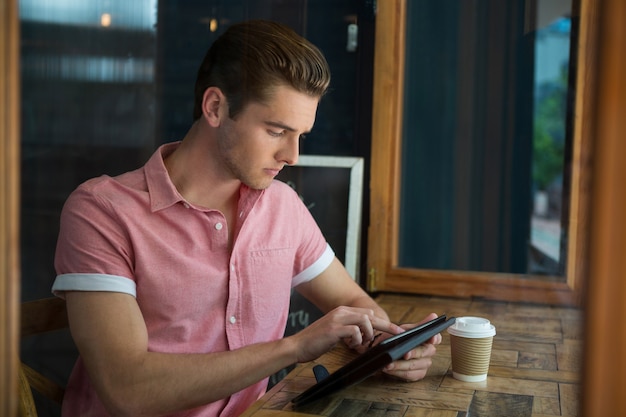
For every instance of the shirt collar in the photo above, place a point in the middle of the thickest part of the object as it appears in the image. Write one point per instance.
(164, 194)
(162, 191)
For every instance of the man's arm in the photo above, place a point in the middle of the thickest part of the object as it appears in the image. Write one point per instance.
(334, 287)
(111, 336)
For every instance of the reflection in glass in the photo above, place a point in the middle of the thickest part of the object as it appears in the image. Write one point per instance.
(88, 108)
(105, 82)
(88, 100)
(138, 14)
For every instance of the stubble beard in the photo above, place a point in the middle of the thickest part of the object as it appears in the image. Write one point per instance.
(234, 162)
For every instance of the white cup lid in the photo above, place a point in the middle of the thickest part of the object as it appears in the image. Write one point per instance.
(472, 327)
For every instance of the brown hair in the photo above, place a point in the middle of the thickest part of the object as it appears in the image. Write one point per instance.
(252, 57)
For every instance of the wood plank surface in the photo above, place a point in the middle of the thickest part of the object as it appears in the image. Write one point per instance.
(534, 369)
(494, 404)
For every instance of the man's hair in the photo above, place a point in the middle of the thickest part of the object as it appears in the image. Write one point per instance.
(252, 58)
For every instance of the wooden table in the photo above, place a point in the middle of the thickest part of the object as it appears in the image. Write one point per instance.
(533, 372)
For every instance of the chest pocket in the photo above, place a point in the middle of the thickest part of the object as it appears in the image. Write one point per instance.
(269, 274)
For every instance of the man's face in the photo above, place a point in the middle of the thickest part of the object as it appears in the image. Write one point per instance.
(265, 137)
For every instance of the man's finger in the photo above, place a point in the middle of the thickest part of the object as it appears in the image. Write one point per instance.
(422, 351)
(386, 326)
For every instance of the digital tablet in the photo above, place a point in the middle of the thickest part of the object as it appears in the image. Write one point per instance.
(371, 361)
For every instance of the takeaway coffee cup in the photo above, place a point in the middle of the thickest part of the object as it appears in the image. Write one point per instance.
(470, 343)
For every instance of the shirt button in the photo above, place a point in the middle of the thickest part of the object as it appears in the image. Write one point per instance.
(186, 205)
(218, 226)
(233, 320)
(232, 267)
(241, 214)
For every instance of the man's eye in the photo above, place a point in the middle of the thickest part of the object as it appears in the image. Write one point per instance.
(276, 134)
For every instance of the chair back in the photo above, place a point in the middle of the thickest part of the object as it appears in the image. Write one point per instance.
(37, 317)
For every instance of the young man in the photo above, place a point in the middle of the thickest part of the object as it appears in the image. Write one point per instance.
(177, 275)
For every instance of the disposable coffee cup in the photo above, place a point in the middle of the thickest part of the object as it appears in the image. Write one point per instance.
(470, 344)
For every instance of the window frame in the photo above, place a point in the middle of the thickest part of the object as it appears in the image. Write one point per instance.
(384, 274)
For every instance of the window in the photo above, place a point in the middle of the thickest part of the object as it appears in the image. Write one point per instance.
(471, 125)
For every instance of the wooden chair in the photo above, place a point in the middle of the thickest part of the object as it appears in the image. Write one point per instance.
(39, 316)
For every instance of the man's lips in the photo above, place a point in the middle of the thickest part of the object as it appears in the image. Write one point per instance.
(273, 171)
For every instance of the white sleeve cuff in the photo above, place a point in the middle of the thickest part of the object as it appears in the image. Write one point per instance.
(316, 268)
(93, 282)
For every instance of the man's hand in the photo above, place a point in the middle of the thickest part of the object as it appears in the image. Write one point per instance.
(355, 326)
(358, 325)
(415, 363)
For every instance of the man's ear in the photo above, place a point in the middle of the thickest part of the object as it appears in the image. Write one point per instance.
(214, 106)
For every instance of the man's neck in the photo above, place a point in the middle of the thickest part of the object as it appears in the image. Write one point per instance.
(198, 177)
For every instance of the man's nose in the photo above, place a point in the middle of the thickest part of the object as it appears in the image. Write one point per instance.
(290, 151)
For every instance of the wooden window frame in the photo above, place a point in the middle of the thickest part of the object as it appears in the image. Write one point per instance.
(9, 205)
(384, 274)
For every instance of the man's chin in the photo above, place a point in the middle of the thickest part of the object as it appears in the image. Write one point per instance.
(258, 185)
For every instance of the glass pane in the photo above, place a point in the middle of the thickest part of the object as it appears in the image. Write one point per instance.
(105, 82)
(88, 108)
(486, 138)
(88, 72)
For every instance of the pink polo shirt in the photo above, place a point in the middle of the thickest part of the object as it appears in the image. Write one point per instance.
(135, 234)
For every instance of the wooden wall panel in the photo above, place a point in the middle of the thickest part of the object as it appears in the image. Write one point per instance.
(604, 375)
(9, 205)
